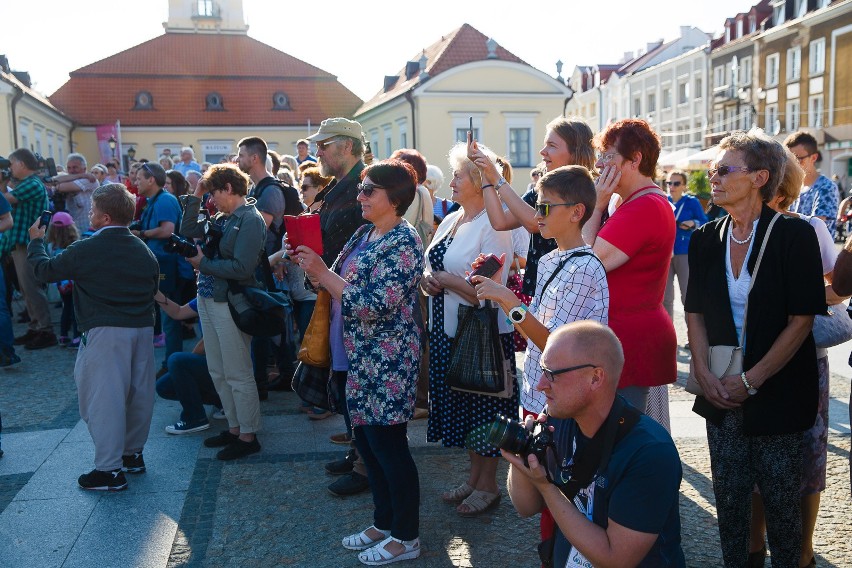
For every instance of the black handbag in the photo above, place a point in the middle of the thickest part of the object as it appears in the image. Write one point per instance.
(314, 386)
(258, 312)
(477, 363)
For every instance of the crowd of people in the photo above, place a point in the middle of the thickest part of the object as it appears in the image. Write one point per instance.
(583, 262)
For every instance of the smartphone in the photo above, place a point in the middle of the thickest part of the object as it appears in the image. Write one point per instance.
(44, 220)
(488, 268)
(367, 148)
(470, 127)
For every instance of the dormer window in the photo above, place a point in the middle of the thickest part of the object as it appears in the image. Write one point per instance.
(143, 101)
(280, 101)
(214, 102)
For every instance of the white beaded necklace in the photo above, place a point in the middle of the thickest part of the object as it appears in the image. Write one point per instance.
(745, 240)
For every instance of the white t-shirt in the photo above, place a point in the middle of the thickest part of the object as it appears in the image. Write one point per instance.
(79, 204)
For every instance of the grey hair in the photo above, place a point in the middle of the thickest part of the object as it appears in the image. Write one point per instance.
(459, 161)
(76, 157)
(760, 152)
(434, 177)
(188, 149)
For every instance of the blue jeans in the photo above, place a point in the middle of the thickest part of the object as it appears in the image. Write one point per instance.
(393, 478)
(188, 381)
(7, 336)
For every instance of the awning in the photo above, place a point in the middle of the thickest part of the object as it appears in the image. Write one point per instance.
(702, 159)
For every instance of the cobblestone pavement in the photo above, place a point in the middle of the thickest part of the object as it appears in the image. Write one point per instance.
(273, 509)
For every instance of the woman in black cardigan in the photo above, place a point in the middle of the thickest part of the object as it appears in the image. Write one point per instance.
(755, 419)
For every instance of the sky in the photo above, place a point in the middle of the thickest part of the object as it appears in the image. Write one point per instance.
(361, 42)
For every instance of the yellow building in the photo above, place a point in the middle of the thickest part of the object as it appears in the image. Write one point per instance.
(29, 120)
(195, 100)
(429, 103)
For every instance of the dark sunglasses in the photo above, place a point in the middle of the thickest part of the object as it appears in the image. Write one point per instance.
(368, 188)
(674, 183)
(725, 170)
(549, 375)
(543, 209)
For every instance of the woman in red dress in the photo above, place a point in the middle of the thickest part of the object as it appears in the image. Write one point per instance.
(635, 245)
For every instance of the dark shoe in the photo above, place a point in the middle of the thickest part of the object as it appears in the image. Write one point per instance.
(25, 338)
(350, 484)
(181, 427)
(133, 463)
(339, 467)
(9, 359)
(23, 317)
(757, 559)
(221, 439)
(343, 438)
(41, 340)
(103, 480)
(239, 449)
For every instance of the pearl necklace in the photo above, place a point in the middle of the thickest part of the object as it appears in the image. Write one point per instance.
(748, 238)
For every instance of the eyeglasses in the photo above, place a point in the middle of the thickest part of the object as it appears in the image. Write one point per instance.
(801, 159)
(674, 183)
(549, 375)
(543, 209)
(323, 145)
(368, 188)
(606, 158)
(725, 170)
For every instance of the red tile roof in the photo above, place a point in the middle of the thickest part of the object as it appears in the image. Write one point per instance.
(179, 70)
(462, 45)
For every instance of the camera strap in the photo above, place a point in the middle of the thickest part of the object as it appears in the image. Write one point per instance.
(597, 453)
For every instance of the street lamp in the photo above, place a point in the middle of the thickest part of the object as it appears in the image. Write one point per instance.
(112, 143)
(131, 152)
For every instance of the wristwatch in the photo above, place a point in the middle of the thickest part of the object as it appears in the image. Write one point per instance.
(749, 389)
(517, 315)
(500, 183)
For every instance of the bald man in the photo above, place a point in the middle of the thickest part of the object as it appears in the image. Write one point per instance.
(627, 514)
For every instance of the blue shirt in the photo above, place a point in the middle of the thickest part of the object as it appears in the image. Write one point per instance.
(186, 168)
(639, 489)
(688, 208)
(5, 206)
(161, 208)
(822, 199)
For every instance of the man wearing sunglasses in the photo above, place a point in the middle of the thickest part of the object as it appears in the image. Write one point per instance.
(628, 514)
(819, 196)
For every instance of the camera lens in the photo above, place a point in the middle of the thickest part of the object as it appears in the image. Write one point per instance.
(508, 435)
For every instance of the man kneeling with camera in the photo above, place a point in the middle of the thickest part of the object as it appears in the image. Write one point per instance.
(610, 476)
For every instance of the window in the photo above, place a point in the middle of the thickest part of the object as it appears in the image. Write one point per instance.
(143, 101)
(637, 106)
(739, 28)
(793, 115)
(683, 93)
(718, 121)
(519, 147)
(699, 88)
(461, 134)
(718, 76)
(280, 101)
(815, 110)
(652, 102)
(667, 98)
(822, 3)
(214, 102)
(727, 38)
(772, 64)
(205, 8)
(800, 8)
(50, 145)
(778, 9)
(38, 141)
(745, 117)
(794, 63)
(745, 71)
(772, 119)
(816, 55)
(752, 24)
(388, 142)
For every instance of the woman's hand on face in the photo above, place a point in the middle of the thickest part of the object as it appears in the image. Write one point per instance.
(310, 262)
(605, 186)
(431, 285)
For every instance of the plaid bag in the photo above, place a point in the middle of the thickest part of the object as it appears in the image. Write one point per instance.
(314, 386)
(477, 363)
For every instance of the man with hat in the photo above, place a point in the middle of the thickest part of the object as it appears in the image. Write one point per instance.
(340, 149)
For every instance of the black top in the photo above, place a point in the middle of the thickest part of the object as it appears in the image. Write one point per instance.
(539, 246)
(340, 213)
(789, 283)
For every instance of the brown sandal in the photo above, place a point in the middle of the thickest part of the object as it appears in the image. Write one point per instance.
(457, 494)
(479, 502)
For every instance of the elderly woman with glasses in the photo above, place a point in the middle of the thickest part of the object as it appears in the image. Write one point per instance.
(635, 245)
(456, 418)
(375, 344)
(755, 417)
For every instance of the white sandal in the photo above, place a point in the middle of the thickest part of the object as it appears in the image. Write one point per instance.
(379, 555)
(360, 541)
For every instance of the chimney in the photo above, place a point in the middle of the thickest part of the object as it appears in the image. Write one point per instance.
(422, 63)
(685, 30)
(628, 55)
(390, 81)
(491, 45)
(4, 63)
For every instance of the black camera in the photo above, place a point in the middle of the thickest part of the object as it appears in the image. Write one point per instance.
(135, 226)
(510, 435)
(179, 245)
(5, 169)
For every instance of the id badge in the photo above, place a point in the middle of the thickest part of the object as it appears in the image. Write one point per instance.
(577, 560)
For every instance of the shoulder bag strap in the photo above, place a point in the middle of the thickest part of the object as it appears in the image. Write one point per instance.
(562, 264)
(754, 274)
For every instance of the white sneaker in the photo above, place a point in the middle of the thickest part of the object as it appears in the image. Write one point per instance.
(219, 414)
(181, 427)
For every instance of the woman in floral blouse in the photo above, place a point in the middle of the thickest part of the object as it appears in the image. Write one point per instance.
(375, 340)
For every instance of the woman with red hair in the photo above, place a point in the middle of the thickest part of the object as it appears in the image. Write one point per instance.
(635, 245)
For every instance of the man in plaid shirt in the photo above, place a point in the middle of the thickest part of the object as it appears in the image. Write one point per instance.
(28, 199)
